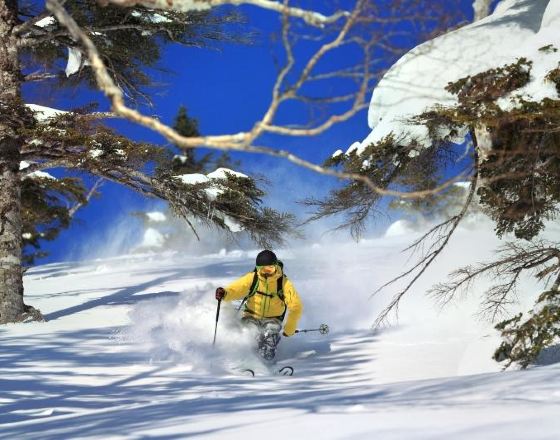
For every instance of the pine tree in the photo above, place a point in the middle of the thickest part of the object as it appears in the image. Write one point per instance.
(130, 42)
(191, 162)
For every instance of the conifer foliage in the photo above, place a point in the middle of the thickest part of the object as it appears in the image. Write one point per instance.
(192, 162)
(33, 204)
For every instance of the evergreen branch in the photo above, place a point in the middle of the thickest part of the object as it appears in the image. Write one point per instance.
(30, 24)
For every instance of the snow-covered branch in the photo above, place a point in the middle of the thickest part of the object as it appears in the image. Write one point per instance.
(92, 192)
(311, 17)
(244, 141)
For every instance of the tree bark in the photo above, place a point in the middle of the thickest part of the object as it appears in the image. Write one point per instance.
(12, 307)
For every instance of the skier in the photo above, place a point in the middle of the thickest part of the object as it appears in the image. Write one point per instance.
(268, 294)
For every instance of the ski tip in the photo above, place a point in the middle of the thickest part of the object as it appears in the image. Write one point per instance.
(286, 371)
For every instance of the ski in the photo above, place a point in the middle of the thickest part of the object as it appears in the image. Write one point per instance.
(286, 370)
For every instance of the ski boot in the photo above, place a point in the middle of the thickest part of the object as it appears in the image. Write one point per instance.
(268, 341)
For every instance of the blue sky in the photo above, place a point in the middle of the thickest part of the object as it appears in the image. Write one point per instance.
(227, 89)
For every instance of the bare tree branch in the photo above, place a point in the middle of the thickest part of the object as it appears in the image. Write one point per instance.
(39, 76)
(93, 190)
(241, 141)
(30, 24)
(515, 259)
(312, 18)
(449, 226)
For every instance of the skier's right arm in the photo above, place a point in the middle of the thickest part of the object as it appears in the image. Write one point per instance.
(238, 289)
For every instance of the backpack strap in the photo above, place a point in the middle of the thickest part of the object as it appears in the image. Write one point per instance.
(252, 289)
(280, 287)
(280, 293)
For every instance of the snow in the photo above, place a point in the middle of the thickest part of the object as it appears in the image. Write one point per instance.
(221, 173)
(353, 147)
(95, 153)
(181, 158)
(464, 185)
(127, 353)
(213, 191)
(120, 152)
(74, 62)
(152, 17)
(23, 165)
(40, 175)
(399, 227)
(45, 22)
(156, 216)
(42, 113)
(232, 225)
(193, 179)
(152, 239)
(517, 28)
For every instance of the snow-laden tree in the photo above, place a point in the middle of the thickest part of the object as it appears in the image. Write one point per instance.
(113, 44)
(34, 205)
(495, 85)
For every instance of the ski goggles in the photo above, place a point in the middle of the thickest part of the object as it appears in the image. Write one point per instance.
(268, 270)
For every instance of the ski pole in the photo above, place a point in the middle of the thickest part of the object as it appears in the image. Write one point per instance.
(217, 317)
(323, 329)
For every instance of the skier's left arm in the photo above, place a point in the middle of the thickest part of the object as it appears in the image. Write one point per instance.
(295, 308)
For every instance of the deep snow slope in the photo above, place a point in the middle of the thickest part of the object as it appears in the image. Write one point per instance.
(126, 354)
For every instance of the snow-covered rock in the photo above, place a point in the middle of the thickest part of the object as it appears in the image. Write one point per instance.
(416, 83)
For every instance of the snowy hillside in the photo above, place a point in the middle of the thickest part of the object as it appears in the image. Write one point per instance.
(126, 354)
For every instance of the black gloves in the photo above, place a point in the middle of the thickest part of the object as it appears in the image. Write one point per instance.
(220, 293)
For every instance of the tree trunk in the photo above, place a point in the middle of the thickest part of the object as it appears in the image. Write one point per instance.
(12, 307)
(481, 9)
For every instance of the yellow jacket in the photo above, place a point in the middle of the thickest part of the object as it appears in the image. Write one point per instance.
(265, 303)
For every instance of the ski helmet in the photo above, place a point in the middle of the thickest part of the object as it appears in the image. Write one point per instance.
(266, 258)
